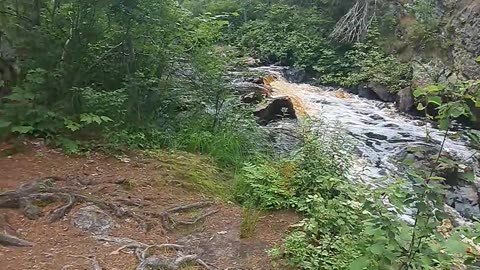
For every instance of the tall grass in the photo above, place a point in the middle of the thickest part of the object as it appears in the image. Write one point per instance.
(232, 141)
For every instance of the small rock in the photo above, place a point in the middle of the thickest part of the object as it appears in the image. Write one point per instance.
(93, 220)
(222, 232)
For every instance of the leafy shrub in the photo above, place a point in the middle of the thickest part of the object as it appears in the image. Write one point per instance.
(349, 226)
(371, 65)
(263, 185)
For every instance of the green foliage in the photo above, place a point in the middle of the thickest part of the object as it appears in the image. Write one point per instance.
(450, 101)
(137, 74)
(312, 182)
(264, 185)
(349, 226)
(279, 37)
(372, 65)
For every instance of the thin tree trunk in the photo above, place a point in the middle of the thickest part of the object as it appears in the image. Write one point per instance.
(37, 9)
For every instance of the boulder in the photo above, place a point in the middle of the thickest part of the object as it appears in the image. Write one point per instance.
(405, 100)
(462, 194)
(382, 92)
(284, 136)
(252, 98)
(465, 26)
(295, 75)
(251, 62)
(275, 109)
(243, 88)
(93, 220)
(366, 92)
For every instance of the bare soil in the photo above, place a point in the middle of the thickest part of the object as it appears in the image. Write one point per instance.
(152, 184)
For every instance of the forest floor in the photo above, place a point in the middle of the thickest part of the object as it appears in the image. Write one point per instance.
(141, 183)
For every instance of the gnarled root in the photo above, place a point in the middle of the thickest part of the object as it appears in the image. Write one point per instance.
(30, 197)
(8, 236)
(155, 261)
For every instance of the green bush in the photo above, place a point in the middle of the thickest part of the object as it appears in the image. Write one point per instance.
(371, 65)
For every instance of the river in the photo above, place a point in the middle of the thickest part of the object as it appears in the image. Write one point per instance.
(381, 134)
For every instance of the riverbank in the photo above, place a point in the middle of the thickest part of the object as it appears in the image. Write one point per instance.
(138, 183)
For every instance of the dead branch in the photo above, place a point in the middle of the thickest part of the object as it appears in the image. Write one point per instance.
(354, 25)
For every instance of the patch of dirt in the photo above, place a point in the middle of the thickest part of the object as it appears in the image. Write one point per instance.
(141, 185)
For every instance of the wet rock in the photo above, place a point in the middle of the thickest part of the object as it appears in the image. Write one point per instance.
(405, 100)
(464, 199)
(376, 117)
(455, 217)
(462, 195)
(93, 220)
(252, 98)
(275, 109)
(376, 136)
(295, 75)
(256, 80)
(366, 92)
(251, 62)
(383, 92)
(465, 27)
(244, 87)
(283, 136)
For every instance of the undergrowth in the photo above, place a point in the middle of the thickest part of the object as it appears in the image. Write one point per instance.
(347, 225)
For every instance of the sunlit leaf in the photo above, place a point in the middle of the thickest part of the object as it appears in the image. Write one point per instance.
(435, 100)
(106, 119)
(419, 92)
(469, 176)
(22, 129)
(437, 178)
(454, 246)
(359, 264)
(4, 124)
(444, 124)
(377, 249)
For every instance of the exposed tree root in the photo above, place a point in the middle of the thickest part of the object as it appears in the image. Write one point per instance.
(8, 235)
(92, 259)
(196, 220)
(29, 198)
(147, 262)
(11, 240)
(169, 222)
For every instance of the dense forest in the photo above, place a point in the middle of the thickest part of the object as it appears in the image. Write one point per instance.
(117, 76)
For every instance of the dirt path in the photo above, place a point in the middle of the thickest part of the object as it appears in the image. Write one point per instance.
(152, 184)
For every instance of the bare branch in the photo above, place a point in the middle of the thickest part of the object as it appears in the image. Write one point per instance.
(354, 25)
